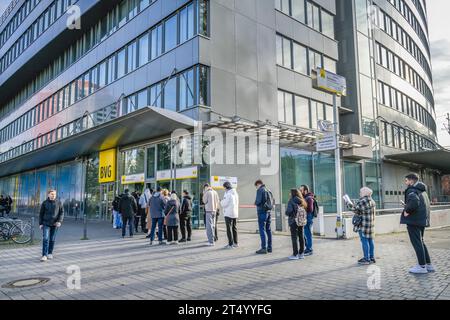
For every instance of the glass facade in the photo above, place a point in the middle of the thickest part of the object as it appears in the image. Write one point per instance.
(316, 170)
(28, 190)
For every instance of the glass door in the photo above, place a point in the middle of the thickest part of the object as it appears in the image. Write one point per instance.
(107, 192)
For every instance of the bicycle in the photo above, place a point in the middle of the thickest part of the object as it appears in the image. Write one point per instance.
(16, 230)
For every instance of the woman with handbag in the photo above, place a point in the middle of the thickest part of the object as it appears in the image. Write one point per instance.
(364, 224)
(296, 211)
(172, 219)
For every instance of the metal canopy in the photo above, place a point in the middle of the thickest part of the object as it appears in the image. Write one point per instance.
(285, 133)
(146, 123)
(437, 159)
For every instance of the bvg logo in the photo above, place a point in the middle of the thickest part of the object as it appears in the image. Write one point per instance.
(106, 172)
(107, 166)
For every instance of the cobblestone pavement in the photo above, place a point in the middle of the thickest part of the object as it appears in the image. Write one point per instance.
(131, 269)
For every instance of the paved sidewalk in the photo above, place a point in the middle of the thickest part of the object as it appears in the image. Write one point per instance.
(131, 269)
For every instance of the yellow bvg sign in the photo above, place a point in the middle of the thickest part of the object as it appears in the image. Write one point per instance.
(107, 166)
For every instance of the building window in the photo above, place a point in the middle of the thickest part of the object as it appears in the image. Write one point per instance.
(170, 33)
(144, 46)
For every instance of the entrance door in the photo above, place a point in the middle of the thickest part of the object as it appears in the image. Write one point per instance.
(107, 192)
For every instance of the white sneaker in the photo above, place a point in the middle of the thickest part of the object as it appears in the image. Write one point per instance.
(50, 257)
(44, 259)
(175, 242)
(293, 258)
(301, 256)
(228, 247)
(235, 245)
(430, 268)
(209, 244)
(418, 270)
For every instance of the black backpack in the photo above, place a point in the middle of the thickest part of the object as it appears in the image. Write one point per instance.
(269, 205)
(315, 208)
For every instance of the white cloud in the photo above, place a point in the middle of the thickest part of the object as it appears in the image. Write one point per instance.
(440, 51)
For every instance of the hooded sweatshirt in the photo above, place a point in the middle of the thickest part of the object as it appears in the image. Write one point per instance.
(157, 205)
(417, 205)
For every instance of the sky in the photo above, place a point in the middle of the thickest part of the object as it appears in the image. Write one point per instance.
(440, 49)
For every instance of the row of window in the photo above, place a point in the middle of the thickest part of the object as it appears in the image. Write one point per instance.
(420, 8)
(395, 99)
(176, 29)
(111, 112)
(395, 64)
(401, 138)
(308, 13)
(45, 20)
(392, 28)
(184, 91)
(408, 14)
(109, 24)
(302, 112)
(294, 56)
(16, 20)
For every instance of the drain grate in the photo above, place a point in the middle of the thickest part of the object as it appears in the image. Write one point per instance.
(25, 283)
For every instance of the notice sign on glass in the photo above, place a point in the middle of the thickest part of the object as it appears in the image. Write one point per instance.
(326, 142)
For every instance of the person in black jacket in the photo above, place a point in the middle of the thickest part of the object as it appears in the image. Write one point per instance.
(185, 217)
(51, 217)
(128, 209)
(2, 205)
(416, 216)
(297, 232)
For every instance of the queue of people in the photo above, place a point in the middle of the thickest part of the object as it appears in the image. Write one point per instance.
(171, 215)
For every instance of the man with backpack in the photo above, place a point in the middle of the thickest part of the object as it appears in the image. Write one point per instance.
(311, 211)
(264, 205)
(416, 216)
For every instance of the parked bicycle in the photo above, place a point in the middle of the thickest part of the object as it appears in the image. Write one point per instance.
(16, 230)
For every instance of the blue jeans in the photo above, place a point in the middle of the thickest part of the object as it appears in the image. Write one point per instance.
(308, 231)
(264, 220)
(367, 246)
(160, 222)
(48, 240)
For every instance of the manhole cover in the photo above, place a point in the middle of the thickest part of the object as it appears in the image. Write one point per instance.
(25, 283)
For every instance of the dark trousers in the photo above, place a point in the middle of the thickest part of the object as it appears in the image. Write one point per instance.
(232, 235)
(297, 237)
(48, 240)
(416, 236)
(172, 234)
(130, 221)
(140, 218)
(216, 236)
(185, 225)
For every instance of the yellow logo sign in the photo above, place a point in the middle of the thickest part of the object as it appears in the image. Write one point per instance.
(107, 166)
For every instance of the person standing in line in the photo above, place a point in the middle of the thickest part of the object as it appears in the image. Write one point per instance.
(172, 212)
(185, 217)
(128, 209)
(310, 199)
(136, 219)
(166, 198)
(117, 219)
(264, 217)
(296, 211)
(148, 216)
(2, 205)
(8, 204)
(157, 206)
(51, 217)
(416, 217)
(211, 201)
(143, 205)
(230, 206)
(365, 208)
